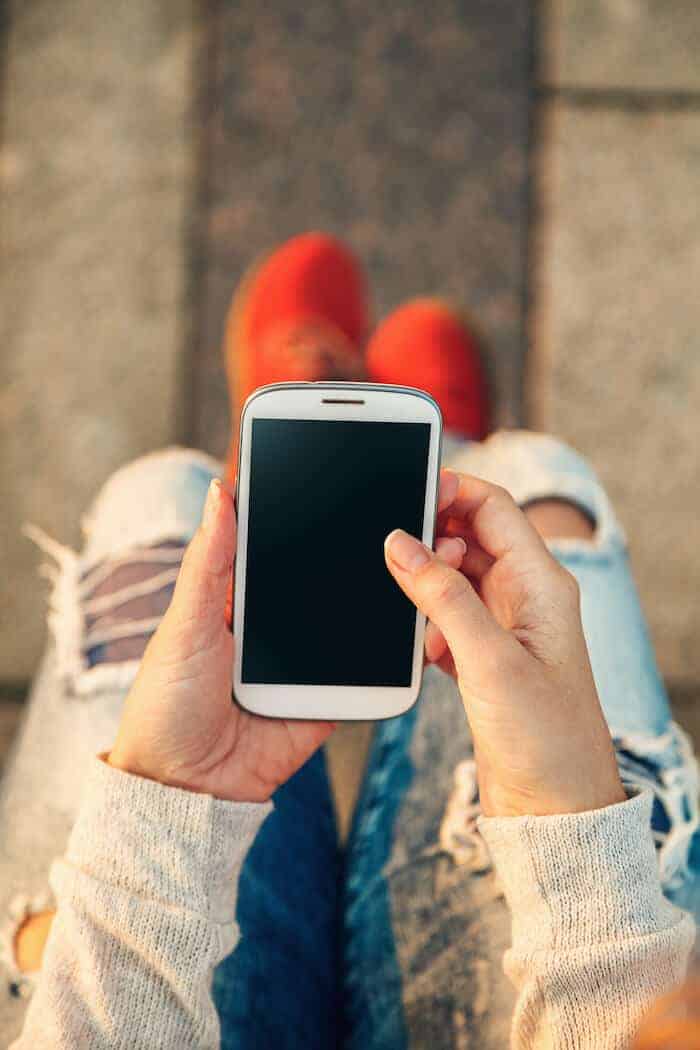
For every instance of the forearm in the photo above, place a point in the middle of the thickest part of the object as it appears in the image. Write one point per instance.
(594, 940)
(146, 897)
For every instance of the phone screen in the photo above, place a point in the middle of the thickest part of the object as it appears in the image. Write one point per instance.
(320, 605)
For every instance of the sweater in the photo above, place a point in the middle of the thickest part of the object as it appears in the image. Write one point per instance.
(146, 900)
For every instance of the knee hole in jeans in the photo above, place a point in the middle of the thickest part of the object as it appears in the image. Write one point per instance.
(558, 518)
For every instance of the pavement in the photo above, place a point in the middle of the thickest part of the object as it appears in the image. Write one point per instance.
(538, 165)
(96, 169)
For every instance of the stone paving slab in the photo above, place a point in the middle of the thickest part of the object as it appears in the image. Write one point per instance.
(95, 179)
(403, 128)
(609, 44)
(617, 368)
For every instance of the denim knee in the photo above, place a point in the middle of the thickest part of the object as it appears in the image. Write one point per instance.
(533, 467)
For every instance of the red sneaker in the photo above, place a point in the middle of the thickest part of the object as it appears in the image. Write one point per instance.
(301, 313)
(427, 344)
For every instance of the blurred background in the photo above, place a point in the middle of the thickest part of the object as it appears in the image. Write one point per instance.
(539, 162)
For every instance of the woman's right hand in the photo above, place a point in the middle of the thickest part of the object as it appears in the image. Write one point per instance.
(507, 625)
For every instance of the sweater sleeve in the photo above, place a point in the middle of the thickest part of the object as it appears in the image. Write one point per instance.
(146, 897)
(594, 941)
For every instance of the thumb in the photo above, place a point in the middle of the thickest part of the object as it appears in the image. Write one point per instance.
(201, 592)
(443, 594)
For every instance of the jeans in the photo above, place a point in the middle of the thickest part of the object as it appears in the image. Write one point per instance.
(398, 941)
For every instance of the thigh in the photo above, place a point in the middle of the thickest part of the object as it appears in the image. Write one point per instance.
(279, 987)
(424, 920)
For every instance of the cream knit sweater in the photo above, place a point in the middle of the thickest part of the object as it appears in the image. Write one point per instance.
(147, 894)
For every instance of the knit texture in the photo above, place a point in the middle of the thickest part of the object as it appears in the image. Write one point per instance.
(595, 942)
(146, 902)
(146, 896)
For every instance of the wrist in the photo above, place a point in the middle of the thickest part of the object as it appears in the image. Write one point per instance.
(543, 800)
(238, 788)
(548, 774)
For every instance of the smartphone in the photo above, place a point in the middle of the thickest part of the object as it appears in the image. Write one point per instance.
(326, 470)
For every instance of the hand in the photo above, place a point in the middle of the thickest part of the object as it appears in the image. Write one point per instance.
(506, 624)
(179, 725)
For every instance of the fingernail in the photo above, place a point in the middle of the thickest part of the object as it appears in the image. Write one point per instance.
(212, 504)
(408, 552)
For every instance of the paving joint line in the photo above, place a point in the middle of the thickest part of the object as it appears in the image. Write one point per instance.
(631, 100)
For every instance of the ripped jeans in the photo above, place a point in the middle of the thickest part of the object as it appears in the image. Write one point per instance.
(422, 922)
(398, 940)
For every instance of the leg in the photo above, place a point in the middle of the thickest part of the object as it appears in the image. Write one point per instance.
(279, 987)
(424, 924)
(299, 313)
(105, 603)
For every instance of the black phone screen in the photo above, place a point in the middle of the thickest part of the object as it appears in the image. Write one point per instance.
(320, 605)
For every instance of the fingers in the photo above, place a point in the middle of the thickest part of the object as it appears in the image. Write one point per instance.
(451, 550)
(205, 575)
(447, 489)
(493, 517)
(442, 593)
(476, 562)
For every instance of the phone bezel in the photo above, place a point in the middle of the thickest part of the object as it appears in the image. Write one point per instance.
(380, 403)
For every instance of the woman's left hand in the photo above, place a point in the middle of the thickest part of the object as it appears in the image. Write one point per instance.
(180, 725)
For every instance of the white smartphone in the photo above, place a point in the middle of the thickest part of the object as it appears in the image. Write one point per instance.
(325, 471)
